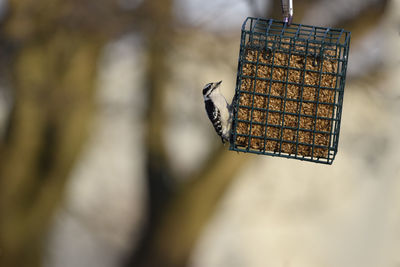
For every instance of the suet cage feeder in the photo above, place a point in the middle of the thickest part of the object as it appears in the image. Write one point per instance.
(289, 90)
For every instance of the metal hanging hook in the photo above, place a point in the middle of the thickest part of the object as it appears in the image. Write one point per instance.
(287, 11)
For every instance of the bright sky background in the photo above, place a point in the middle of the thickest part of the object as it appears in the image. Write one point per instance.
(213, 14)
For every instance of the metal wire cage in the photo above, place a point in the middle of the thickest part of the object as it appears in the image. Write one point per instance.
(289, 90)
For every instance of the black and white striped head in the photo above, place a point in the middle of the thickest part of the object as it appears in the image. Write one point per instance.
(209, 88)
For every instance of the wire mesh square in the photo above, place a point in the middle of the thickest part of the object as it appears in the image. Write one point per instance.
(289, 90)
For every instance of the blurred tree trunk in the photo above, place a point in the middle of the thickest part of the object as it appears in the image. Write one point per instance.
(53, 74)
(176, 214)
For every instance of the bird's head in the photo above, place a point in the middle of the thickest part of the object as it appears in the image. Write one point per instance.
(209, 88)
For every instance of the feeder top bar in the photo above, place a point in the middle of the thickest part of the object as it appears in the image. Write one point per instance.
(301, 32)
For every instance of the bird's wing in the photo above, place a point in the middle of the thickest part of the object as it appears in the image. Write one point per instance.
(215, 116)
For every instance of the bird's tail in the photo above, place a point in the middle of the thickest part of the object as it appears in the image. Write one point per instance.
(233, 108)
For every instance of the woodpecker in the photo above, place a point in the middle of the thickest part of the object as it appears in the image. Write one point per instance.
(218, 110)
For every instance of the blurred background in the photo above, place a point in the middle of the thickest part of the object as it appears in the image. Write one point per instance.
(107, 158)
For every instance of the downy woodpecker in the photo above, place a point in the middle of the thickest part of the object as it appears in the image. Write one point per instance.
(218, 110)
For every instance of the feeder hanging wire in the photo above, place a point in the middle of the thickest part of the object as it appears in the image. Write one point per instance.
(287, 11)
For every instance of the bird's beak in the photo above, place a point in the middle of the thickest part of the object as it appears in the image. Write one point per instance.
(218, 83)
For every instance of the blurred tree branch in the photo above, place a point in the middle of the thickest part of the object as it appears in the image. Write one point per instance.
(366, 19)
(191, 209)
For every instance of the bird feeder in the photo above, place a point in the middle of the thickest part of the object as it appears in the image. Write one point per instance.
(289, 90)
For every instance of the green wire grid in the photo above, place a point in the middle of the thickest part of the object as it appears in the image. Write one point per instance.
(271, 37)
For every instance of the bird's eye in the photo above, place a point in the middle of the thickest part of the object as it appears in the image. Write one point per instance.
(207, 88)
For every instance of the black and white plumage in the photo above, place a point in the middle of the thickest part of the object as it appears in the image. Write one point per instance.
(218, 110)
